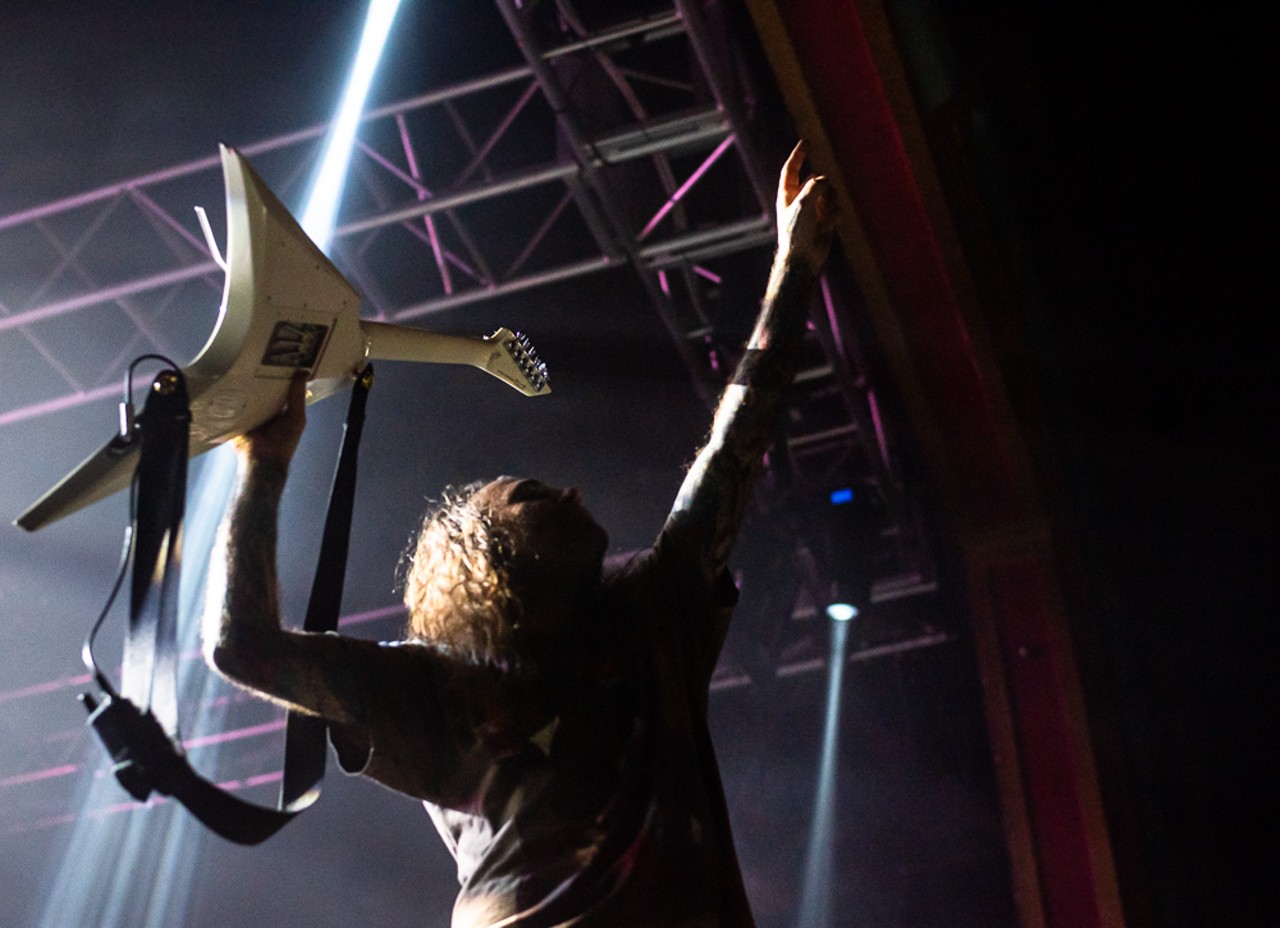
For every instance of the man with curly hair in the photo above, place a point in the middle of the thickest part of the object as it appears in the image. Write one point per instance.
(549, 711)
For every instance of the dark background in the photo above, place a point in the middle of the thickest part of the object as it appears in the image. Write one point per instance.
(1130, 148)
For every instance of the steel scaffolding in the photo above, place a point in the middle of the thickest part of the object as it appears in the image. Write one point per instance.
(632, 145)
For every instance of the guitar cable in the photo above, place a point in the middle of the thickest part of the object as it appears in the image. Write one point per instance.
(126, 436)
(127, 417)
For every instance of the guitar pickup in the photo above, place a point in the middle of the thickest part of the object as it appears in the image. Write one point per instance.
(295, 344)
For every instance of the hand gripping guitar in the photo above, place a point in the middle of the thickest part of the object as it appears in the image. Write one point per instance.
(285, 308)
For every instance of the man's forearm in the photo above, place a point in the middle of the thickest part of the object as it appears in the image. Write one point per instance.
(784, 311)
(244, 639)
(250, 613)
(715, 493)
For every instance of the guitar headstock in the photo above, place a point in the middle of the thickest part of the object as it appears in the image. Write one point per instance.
(514, 360)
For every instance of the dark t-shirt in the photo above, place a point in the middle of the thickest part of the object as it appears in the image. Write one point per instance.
(597, 800)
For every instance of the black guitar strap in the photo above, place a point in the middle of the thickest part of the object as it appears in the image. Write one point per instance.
(305, 735)
(138, 724)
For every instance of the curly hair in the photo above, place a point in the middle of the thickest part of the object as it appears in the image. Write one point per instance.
(457, 582)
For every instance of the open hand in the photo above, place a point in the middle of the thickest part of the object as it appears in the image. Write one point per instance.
(807, 213)
(275, 441)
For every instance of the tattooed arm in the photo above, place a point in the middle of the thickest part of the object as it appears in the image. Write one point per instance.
(245, 641)
(709, 508)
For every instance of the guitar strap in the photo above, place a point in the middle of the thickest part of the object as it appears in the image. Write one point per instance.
(138, 724)
(305, 735)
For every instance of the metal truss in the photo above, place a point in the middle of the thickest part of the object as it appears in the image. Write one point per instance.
(627, 144)
(630, 144)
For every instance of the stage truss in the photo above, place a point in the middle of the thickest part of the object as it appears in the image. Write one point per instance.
(638, 144)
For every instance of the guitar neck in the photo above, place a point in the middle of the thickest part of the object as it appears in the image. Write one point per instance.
(504, 354)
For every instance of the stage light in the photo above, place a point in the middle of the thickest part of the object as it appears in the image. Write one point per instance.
(850, 523)
(139, 869)
(842, 496)
(321, 211)
(820, 863)
(840, 611)
(847, 530)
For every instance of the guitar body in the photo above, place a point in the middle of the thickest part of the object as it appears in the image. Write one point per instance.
(285, 308)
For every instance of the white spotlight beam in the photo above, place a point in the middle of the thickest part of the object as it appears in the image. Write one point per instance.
(132, 847)
(321, 211)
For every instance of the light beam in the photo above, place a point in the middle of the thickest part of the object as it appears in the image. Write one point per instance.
(320, 213)
(139, 869)
(819, 872)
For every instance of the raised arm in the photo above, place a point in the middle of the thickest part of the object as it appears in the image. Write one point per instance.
(710, 505)
(244, 640)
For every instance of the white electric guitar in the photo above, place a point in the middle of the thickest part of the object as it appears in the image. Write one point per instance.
(285, 308)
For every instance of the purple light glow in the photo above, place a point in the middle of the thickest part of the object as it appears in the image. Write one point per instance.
(686, 186)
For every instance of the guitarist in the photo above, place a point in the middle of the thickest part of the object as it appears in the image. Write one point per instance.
(548, 709)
